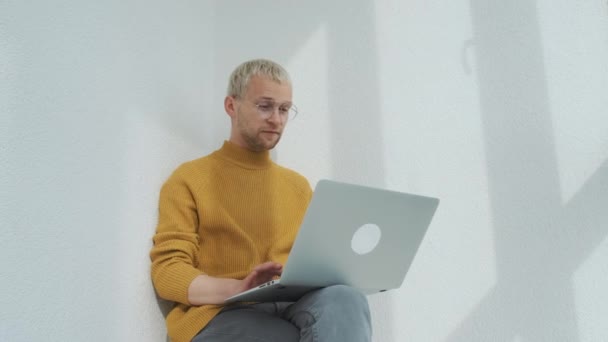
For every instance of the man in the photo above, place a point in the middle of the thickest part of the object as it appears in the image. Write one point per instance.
(227, 222)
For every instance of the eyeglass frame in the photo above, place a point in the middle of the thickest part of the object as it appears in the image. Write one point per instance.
(276, 107)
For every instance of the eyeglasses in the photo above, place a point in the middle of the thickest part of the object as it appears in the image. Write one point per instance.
(266, 109)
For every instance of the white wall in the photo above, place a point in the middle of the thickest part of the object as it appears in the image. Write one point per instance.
(498, 108)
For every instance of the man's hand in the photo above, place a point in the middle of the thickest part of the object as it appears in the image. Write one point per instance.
(205, 289)
(261, 274)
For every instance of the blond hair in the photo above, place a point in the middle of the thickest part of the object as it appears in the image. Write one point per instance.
(239, 79)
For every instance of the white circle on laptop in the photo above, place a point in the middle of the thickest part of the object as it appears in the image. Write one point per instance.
(366, 238)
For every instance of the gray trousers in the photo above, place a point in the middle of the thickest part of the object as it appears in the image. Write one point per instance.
(336, 313)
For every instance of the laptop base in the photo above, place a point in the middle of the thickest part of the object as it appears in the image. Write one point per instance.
(275, 292)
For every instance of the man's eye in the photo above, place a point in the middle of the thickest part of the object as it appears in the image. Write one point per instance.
(265, 106)
(284, 109)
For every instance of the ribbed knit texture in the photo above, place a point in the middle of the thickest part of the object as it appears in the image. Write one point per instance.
(221, 215)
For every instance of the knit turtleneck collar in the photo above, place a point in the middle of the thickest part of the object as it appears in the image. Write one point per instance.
(243, 157)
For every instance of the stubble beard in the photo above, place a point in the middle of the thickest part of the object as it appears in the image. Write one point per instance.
(256, 142)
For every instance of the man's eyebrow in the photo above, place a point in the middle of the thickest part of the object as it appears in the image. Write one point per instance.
(266, 98)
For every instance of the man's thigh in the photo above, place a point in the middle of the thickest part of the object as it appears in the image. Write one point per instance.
(249, 323)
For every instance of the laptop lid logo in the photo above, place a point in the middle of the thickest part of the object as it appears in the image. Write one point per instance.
(366, 238)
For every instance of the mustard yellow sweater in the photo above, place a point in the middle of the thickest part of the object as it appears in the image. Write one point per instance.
(221, 215)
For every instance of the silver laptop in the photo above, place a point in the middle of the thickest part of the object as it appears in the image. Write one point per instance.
(352, 235)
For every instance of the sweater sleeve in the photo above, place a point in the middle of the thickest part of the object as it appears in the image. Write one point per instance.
(176, 242)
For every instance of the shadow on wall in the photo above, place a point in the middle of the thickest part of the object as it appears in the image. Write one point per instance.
(276, 30)
(540, 242)
(165, 307)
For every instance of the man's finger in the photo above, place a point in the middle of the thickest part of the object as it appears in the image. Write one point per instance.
(268, 266)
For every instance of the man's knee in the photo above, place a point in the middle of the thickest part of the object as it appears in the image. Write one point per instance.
(344, 296)
(338, 313)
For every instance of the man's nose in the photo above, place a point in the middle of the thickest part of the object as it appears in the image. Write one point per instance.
(275, 116)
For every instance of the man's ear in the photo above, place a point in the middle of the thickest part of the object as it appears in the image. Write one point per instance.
(230, 106)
